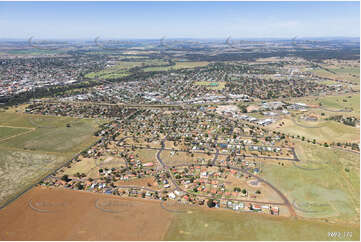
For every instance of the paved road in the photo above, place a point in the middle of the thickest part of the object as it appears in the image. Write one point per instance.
(217, 151)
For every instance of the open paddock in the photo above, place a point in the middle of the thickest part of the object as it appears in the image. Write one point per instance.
(59, 214)
(320, 178)
(44, 144)
(227, 225)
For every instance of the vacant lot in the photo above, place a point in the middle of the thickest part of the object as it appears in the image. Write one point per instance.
(179, 158)
(58, 214)
(44, 144)
(227, 225)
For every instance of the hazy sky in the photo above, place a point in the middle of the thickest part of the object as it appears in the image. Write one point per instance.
(178, 19)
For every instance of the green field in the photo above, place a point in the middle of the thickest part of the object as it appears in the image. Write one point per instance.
(6, 132)
(32, 51)
(44, 143)
(177, 66)
(340, 73)
(226, 225)
(322, 130)
(318, 185)
(342, 102)
(334, 103)
(121, 69)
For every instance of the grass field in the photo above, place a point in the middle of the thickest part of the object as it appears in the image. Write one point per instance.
(184, 158)
(34, 145)
(177, 66)
(6, 132)
(334, 103)
(19, 169)
(322, 131)
(340, 73)
(212, 85)
(226, 225)
(50, 134)
(319, 185)
(121, 69)
(342, 102)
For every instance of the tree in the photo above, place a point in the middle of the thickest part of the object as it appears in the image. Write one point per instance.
(210, 203)
(79, 186)
(65, 178)
(244, 191)
(258, 192)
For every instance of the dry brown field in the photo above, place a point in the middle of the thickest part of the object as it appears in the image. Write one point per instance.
(59, 214)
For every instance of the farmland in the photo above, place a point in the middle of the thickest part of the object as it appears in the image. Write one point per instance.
(45, 141)
(77, 215)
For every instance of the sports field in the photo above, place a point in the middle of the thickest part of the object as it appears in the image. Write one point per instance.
(31, 146)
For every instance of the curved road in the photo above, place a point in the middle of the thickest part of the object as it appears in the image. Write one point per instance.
(286, 202)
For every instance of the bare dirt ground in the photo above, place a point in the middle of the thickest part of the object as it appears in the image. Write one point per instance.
(140, 182)
(59, 214)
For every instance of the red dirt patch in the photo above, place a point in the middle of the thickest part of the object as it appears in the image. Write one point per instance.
(59, 214)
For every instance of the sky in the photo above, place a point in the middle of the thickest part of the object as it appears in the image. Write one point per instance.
(153, 20)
